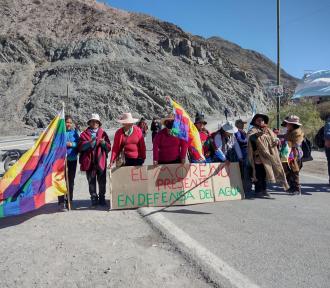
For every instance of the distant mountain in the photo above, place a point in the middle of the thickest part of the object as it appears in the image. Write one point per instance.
(110, 61)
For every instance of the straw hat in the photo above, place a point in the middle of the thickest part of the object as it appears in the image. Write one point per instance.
(293, 119)
(168, 117)
(126, 118)
(95, 117)
(229, 127)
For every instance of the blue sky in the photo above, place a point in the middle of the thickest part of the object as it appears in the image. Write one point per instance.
(305, 26)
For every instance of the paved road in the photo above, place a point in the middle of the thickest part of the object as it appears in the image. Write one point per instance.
(282, 242)
(17, 142)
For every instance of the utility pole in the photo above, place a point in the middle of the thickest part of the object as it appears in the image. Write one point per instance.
(278, 65)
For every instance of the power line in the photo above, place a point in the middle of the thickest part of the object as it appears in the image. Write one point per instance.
(322, 9)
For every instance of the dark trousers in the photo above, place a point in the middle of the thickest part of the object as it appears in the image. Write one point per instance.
(153, 135)
(72, 167)
(101, 177)
(246, 178)
(177, 161)
(327, 153)
(261, 185)
(292, 177)
(133, 162)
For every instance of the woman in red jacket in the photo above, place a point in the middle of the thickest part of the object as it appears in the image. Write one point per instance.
(168, 149)
(130, 140)
(94, 146)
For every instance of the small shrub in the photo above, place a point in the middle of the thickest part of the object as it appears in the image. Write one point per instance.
(308, 113)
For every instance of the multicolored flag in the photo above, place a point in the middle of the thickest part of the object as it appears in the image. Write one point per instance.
(185, 129)
(38, 177)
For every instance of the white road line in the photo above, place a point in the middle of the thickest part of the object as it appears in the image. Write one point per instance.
(211, 266)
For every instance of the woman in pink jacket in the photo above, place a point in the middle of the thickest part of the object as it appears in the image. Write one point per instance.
(168, 149)
(129, 140)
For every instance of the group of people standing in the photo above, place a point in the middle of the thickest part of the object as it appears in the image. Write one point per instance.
(262, 155)
(259, 151)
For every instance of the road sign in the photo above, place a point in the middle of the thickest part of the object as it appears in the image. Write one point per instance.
(276, 90)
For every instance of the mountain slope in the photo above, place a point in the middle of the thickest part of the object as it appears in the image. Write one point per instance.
(110, 61)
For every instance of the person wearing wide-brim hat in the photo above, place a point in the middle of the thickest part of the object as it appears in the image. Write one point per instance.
(95, 118)
(167, 118)
(168, 149)
(226, 146)
(206, 141)
(257, 116)
(200, 119)
(128, 142)
(293, 138)
(264, 157)
(94, 146)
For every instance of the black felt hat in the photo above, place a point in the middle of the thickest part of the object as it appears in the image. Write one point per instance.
(199, 118)
(263, 116)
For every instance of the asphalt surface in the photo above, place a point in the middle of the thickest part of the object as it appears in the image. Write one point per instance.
(278, 242)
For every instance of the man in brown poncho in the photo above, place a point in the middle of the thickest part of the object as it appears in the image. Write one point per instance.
(264, 157)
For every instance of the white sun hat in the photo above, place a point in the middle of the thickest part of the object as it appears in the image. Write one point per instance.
(229, 127)
(126, 118)
(95, 117)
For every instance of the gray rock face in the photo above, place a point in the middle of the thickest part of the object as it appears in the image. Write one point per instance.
(99, 59)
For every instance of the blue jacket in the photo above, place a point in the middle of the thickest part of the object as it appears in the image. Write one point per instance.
(73, 137)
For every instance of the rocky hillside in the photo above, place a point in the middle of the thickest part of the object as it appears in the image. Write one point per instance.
(100, 59)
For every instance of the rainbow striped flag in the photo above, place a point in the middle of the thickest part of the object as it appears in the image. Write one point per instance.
(185, 129)
(38, 177)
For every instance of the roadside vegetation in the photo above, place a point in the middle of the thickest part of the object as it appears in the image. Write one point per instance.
(307, 111)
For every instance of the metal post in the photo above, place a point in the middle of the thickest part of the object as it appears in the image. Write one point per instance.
(278, 65)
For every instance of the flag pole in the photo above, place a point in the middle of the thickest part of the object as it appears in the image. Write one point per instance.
(110, 188)
(66, 174)
(67, 184)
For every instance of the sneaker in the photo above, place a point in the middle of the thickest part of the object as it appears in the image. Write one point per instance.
(290, 191)
(102, 202)
(266, 194)
(95, 202)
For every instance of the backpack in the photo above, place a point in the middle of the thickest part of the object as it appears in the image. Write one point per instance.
(319, 138)
(307, 150)
(326, 134)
